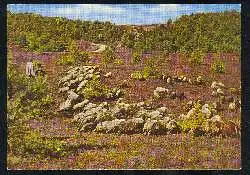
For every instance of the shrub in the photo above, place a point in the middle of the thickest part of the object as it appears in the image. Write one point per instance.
(196, 58)
(108, 56)
(28, 142)
(150, 70)
(137, 75)
(95, 89)
(136, 58)
(218, 66)
(195, 122)
(66, 60)
(118, 61)
(82, 57)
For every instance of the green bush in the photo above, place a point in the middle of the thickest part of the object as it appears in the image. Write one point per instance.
(196, 58)
(218, 66)
(137, 75)
(136, 58)
(108, 56)
(95, 89)
(27, 142)
(150, 70)
(82, 57)
(118, 62)
(66, 60)
(195, 122)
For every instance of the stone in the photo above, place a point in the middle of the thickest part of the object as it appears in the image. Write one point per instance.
(190, 113)
(89, 106)
(81, 85)
(133, 126)
(206, 111)
(81, 105)
(65, 105)
(72, 95)
(114, 126)
(107, 75)
(214, 126)
(153, 127)
(160, 92)
(88, 127)
(64, 89)
(155, 115)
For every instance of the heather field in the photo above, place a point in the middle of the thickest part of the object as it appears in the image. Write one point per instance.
(108, 96)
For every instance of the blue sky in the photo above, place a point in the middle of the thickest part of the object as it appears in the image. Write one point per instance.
(121, 13)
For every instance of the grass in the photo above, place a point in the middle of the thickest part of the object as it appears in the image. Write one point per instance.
(112, 151)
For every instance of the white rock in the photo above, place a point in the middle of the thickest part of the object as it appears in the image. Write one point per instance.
(65, 105)
(82, 104)
(72, 95)
(109, 74)
(64, 89)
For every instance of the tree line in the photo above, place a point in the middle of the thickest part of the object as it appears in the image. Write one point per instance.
(206, 32)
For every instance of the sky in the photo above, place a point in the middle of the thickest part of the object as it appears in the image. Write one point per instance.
(137, 14)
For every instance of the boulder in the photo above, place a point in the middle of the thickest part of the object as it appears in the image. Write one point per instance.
(114, 126)
(72, 95)
(160, 92)
(214, 126)
(88, 127)
(64, 89)
(81, 105)
(153, 127)
(89, 106)
(107, 75)
(81, 85)
(65, 105)
(206, 111)
(156, 115)
(134, 125)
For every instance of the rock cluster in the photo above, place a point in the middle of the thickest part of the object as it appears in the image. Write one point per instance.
(73, 87)
(181, 79)
(125, 118)
(161, 92)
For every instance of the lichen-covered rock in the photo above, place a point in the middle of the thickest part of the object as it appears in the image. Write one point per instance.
(160, 92)
(107, 75)
(104, 115)
(206, 111)
(214, 126)
(81, 85)
(156, 115)
(89, 106)
(64, 89)
(81, 105)
(65, 105)
(142, 113)
(190, 113)
(114, 126)
(72, 95)
(154, 127)
(88, 127)
(171, 127)
(133, 126)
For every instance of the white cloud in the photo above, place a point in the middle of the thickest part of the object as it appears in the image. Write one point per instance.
(89, 8)
(166, 7)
